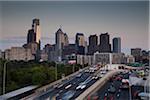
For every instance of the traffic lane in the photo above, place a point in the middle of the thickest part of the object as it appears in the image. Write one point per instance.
(101, 94)
(55, 91)
(78, 92)
(74, 85)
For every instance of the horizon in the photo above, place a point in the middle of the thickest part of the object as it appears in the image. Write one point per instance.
(87, 17)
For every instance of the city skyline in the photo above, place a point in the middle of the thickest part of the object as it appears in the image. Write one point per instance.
(76, 17)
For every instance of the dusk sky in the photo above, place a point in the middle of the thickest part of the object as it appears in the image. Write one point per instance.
(126, 19)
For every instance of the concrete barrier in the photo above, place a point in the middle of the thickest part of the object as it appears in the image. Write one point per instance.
(96, 86)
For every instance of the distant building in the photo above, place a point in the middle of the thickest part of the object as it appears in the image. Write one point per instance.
(0, 53)
(80, 43)
(85, 59)
(102, 58)
(117, 45)
(130, 59)
(93, 42)
(136, 52)
(61, 41)
(105, 46)
(18, 53)
(36, 28)
(31, 37)
(117, 58)
(44, 55)
(108, 58)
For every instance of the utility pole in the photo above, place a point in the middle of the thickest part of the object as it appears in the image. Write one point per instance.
(4, 76)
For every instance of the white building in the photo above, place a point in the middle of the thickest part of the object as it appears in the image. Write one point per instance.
(18, 53)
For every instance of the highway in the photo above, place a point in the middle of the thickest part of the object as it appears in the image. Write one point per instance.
(119, 94)
(68, 87)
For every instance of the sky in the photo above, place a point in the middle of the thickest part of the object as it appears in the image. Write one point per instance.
(126, 19)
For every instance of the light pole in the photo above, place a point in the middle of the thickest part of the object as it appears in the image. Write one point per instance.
(4, 76)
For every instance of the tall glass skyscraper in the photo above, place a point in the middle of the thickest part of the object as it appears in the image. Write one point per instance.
(117, 45)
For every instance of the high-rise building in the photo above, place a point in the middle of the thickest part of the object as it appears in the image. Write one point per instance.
(104, 46)
(31, 37)
(80, 39)
(66, 40)
(36, 28)
(61, 42)
(92, 48)
(136, 52)
(80, 43)
(117, 45)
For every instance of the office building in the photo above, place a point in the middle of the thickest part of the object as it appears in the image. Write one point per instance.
(80, 43)
(61, 41)
(108, 58)
(18, 53)
(36, 28)
(31, 37)
(136, 52)
(117, 45)
(93, 41)
(104, 45)
(130, 59)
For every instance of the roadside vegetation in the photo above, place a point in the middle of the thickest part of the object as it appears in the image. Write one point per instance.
(20, 73)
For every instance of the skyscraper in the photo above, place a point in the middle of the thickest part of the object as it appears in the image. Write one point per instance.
(104, 46)
(92, 48)
(117, 45)
(61, 42)
(31, 37)
(80, 43)
(36, 28)
(66, 40)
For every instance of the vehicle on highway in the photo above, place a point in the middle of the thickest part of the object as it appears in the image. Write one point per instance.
(68, 86)
(118, 78)
(124, 84)
(68, 95)
(144, 96)
(86, 71)
(112, 89)
(81, 86)
(95, 77)
(79, 75)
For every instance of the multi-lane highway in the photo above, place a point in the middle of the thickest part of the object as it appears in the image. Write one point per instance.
(108, 93)
(68, 89)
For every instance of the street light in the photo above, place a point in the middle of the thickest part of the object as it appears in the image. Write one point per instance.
(4, 76)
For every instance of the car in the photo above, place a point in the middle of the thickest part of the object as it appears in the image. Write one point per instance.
(95, 77)
(112, 89)
(79, 75)
(68, 95)
(118, 78)
(68, 86)
(81, 86)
